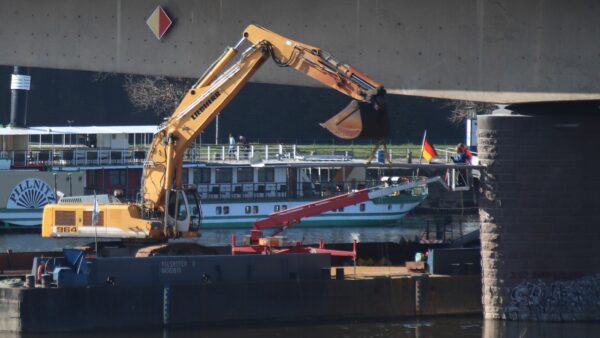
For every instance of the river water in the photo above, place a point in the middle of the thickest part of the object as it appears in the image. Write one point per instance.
(409, 229)
(412, 227)
(452, 326)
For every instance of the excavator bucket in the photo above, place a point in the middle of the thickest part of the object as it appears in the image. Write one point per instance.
(363, 120)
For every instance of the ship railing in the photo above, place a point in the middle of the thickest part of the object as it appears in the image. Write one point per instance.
(76, 157)
(448, 152)
(85, 156)
(459, 179)
(241, 153)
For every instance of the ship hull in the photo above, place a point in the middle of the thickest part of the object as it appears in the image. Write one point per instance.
(383, 212)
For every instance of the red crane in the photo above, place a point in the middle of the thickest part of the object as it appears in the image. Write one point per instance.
(281, 220)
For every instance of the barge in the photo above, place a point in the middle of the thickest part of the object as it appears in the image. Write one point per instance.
(157, 292)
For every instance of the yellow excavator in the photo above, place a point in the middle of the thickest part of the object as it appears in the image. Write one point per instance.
(167, 208)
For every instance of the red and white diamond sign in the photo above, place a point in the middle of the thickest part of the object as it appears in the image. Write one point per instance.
(159, 22)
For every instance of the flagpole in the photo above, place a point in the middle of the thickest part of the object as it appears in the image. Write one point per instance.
(422, 146)
(95, 221)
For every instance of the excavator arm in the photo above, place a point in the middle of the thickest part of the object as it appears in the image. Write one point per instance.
(364, 117)
(167, 208)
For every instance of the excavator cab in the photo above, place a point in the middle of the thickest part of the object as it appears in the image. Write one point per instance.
(183, 209)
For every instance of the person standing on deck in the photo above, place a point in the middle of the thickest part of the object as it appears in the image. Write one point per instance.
(460, 156)
(231, 146)
(245, 146)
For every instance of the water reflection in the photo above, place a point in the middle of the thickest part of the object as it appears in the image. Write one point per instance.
(496, 328)
(413, 328)
(453, 326)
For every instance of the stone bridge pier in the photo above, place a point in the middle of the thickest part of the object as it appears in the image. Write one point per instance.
(540, 216)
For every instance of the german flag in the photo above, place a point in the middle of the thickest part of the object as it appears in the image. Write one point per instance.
(428, 150)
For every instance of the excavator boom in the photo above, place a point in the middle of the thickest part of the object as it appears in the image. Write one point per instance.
(365, 116)
(205, 100)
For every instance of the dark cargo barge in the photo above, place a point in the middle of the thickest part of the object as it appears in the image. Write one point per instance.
(111, 293)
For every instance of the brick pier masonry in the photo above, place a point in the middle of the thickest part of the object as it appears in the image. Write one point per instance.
(540, 216)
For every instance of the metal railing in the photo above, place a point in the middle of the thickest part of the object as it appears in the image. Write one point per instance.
(70, 156)
(84, 156)
(273, 190)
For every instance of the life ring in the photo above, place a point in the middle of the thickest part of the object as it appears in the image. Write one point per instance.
(43, 268)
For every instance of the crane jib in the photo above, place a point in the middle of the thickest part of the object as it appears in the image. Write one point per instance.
(206, 104)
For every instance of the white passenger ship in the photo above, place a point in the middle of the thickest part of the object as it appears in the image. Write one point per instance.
(40, 164)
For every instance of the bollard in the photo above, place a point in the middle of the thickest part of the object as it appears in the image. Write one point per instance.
(456, 267)
(30, 281)
(339, 273)
(166, 305)
(46, 280)
(420, 286)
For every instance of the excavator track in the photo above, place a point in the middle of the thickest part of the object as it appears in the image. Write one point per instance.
(175, 249)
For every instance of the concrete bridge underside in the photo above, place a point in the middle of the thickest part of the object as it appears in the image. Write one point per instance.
(499, 51)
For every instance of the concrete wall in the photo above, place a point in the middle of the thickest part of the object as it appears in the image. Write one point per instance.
(479, 49)
(116, 308)
(540, 216)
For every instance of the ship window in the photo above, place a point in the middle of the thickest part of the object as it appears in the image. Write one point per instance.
(46, 139)
(118, 177)
(185, 176)
(276, 208)
(226, 210)
(218, 210)
(284, 207)
(266, 174)
(362, 207)
(389, 207)
(245, 175)
(247, 209)
(201, 175)
(91, 178)
(223, 175)
(255, 209)
(341, 209)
